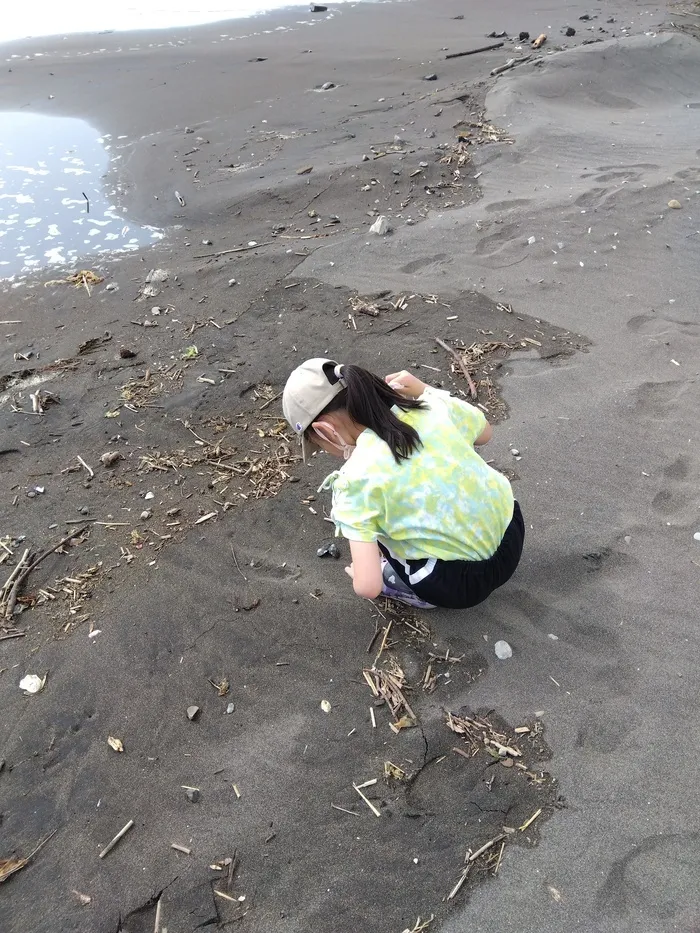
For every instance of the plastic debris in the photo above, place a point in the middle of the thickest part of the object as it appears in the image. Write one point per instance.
(503, 650)
(32, 683)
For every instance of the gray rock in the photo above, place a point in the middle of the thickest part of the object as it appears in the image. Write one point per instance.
(381, 226)
(192, 712)
(193, 795)
(327, 86)
(430, 77)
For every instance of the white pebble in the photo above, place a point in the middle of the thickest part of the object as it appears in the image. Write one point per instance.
(503, 650)
(515, 452)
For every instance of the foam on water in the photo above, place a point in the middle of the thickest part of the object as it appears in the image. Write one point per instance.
(50, 169)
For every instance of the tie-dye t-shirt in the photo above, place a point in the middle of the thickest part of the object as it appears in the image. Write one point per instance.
(444, 501)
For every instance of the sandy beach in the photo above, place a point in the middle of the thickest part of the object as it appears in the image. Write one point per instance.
(294, 758)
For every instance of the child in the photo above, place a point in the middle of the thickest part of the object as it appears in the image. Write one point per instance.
(428, 521)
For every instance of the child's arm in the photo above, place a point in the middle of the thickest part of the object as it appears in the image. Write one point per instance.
(366, 569)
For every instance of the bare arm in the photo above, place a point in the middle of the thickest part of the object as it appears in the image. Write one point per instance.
(366, 569)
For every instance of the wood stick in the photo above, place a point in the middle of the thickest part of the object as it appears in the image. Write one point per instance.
(12, 599)
(122, 832)
(486, 846)
(483, 48)
(462, 878)
(156, 925)
(227, 252)
(367, 801)
(88, 468)
(179, 848)
(343, 810)
(21, 564)
(12, 635)
(460, 362)
(511, 63)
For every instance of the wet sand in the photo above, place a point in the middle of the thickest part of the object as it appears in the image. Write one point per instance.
(198, 571)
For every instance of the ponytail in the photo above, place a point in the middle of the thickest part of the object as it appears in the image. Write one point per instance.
(369, 400)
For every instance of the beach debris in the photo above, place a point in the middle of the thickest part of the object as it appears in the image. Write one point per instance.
(585, 17)
(569, 31)
(190, 353)
(381, 226)
(325, 706)
(207, 243)
(696, 536)
(420, 925)
(232, 282)
(193, 794)
(112, 287)
(497, 35)
(41, 399)
(231, 708)
(32, 683)
(120, 835)
(326, 86)
(126, 353)
(483, 48)
(460, 362)
(86, 467)
(673, 203)
(329, 550)
(192, 712)
(146, 514)
(388, 684)
(152, 286)
(82, 279)
(431, 77)
(306, 170)
(115, 744)
(179, 848)
(515, 452)
(188, 130)
(8, 866)
(365, 157)
(540, 40)
(84, 899)
(179, 198)
(511, 63)
(366, 799)
(503, 650)
(222, 687)
(109, 458)
(317, 8)
(523, 36)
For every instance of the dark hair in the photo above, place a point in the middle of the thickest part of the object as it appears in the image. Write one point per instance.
(369, 400)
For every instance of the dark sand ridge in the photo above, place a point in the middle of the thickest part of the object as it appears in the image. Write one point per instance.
(622, 609)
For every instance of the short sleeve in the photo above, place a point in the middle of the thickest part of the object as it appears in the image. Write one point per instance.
(356, 509)
(468, 419)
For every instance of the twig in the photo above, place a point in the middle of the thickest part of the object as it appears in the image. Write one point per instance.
(367, 801)
(511, 63)
(179, 848)
(12, 635)
(383, 644)
(235, 560)
(270, 401)
(395, 327)
(531, 820)
(462, 878)
(460, 362)
(88, 468)
(483, 48)
(227, 252)
(486, 846)
(156, 925)
(500, 856)
(12, 598)
(122, 832)
(343, 810)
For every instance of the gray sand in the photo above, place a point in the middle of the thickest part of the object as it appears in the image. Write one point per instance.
(601, 137)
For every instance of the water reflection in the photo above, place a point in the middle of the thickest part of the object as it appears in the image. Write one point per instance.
(54, 208)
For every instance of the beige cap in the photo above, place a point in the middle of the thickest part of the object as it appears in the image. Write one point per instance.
(309, 389)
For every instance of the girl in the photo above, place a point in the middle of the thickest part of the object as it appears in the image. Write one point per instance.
(428, 521)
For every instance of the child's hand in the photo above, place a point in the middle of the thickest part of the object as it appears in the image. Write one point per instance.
(406, 383)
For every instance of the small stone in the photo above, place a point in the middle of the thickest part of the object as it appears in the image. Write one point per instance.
(524, 36)
(126, 353)
(531, 240)
(232, 282)
(188, 130)
(696, 536)
(553, 636)
(507, 762)
(515, 452)
(628, 539)
(570, 31)
(112, 287)
(333, 551)
(31, 494)
(193, 795)
(149, 495)
(110, 458)
(317, 8)
(399, 141)
(396, 171)
(430, 77)
(192, 712)
(503, 650)
(585, 17)
(146, 514)
(207, 243)
(423, 164)
(676, 205)
(381, 226)
(230, 708)
(327, 86)
(84, 510)
(325, 706)
(365, 157)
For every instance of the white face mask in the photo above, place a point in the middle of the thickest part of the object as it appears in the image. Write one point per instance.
(331, 436)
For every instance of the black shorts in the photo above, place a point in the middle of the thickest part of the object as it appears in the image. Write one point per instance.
(459, 584)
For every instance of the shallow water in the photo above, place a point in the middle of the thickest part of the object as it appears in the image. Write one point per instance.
(47, 18)
(54, 208)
